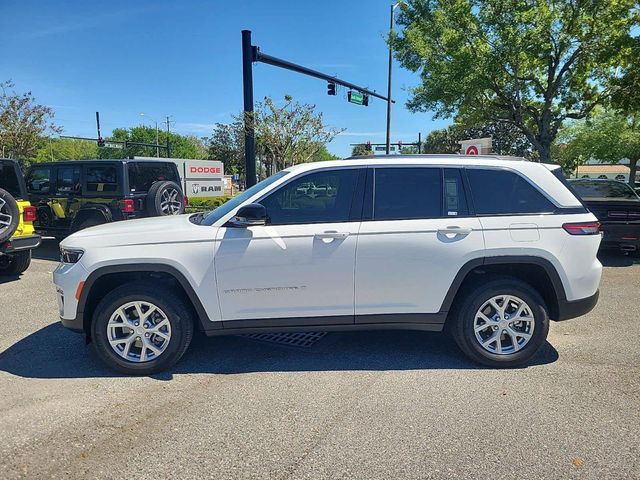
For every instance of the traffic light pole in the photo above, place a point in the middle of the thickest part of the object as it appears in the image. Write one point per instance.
(250, 54)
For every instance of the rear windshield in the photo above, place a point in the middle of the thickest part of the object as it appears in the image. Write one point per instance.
(9, 180)
(603, 189)
(144, 174)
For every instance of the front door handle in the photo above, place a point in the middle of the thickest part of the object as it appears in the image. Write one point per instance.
(454, 230)
(331, 235)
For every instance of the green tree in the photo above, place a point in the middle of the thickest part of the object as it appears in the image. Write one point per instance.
(607, 137)
(323, 155)
(226, 144)
(54, 149)
(528, 63)
(361, 150)
(182, 146)
(23, 123)
(289, 134)
(506, 139)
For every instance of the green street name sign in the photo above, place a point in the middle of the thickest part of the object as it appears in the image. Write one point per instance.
(356, 97)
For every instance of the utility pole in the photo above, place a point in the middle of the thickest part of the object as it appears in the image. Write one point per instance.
(388, 146)
(168, 132)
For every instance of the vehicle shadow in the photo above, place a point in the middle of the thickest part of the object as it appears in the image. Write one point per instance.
(48, 250)
(56, 353)
(610, 258)
(9, 278)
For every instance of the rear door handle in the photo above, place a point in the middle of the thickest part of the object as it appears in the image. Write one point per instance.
(331, 235)
(454, 230)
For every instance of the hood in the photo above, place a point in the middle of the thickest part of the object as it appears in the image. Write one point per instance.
(144, 231)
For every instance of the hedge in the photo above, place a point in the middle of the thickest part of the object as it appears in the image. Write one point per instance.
(202, 204)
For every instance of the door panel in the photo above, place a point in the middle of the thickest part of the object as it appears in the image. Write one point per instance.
(418, 237)
(287, 271)
(301, 264)
(407, 266)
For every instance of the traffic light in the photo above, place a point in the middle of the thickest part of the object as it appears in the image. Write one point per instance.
(331, 88)
(368, 145)
(365, 100)
(100, 142)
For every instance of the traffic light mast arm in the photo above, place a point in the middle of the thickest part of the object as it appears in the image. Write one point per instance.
(258, 56)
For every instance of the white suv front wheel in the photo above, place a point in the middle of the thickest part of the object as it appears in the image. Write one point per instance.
(140, 328)
(501, 323)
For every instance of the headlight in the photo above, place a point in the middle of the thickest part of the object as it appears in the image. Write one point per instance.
(70, 255)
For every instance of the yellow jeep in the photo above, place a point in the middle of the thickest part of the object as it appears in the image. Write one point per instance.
(17, 236)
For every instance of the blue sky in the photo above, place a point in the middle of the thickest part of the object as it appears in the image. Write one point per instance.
(183, 58)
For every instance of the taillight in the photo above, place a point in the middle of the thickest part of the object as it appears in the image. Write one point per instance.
(127, 205)
(29, 214)
(585, 228)
(186, 201)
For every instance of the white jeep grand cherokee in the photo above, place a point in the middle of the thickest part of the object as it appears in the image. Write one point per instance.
(489, 248)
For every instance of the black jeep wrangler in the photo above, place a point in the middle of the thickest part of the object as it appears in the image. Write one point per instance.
(73, 195)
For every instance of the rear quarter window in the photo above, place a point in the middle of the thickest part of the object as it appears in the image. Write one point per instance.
(101, 178)
(144, 174)
(9, 180)
(501, 192)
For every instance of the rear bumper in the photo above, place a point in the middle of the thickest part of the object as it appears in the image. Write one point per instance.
(21, 243)
(576, 308)
(624, 235)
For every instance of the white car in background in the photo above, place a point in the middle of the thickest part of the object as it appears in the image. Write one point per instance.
(489, 248)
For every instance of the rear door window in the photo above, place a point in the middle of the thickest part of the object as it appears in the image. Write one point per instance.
(407, 193)
(144, 174)
(39, 180)
(501, 192)
(9, 179)
(101, 178)
(68, 180)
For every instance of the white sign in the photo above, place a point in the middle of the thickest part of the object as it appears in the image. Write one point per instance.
(113, 145)
(204, 188)
(476, 146)
(473, 149)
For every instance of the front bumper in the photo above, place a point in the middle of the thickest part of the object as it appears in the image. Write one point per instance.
(21, 243)
(576, 308)
(67, 278)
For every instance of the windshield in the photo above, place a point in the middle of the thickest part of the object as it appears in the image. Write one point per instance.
(222, 210)
(603, 189)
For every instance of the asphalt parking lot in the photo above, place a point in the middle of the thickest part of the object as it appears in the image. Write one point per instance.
(385, 405)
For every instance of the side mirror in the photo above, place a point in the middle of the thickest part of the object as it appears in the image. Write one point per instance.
(249, 216)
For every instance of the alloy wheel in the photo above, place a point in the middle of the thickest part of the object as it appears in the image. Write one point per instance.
(6, 218)
(139, 331)
(169, 203)
(504, 324)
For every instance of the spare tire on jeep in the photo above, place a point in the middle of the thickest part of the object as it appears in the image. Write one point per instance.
(165, 198)
(9, 215)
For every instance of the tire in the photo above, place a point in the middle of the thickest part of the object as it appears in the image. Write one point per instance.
(9, 215)
(535, 323)
(15, 263)
(164, 199)
(169, 306)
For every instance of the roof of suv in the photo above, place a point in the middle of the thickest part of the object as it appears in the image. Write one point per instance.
(537, 173)
(123, 160)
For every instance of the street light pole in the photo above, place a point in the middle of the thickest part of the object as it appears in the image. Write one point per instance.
(388, 145)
